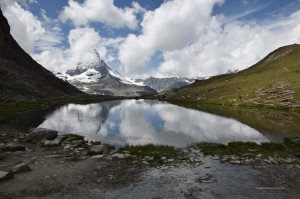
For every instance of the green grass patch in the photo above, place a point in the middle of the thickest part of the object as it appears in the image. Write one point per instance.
(252, 87)
(290, 147)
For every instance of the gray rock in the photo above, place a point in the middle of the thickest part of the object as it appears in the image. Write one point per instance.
(5, 175)
(272, 160)
(57, 141)
(98, 149)
(145, 162)
(151, 158)
(267, 161)
(40, 134)
(235, 162)
(12, 147)
(54, 156)
(97, 156)
(20, 168)
(207, 178)
(258, 155)
(68, 146)
(287, 160)
(187, 193)
(252, 150)
(118, 155)
(170, 160)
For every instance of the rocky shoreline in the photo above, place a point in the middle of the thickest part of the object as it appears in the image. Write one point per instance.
(42, 163)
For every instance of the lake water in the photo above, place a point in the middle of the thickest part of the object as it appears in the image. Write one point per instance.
(140, 122)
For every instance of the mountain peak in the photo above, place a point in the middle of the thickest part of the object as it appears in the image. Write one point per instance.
(99, 66)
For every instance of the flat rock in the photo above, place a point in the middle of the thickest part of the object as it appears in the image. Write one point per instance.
(145, 162)
(118, 155)
(207, 178)
(54, 156)
(57, 141)
(5, 175)
(40, 134)
(98, 149)
(235, 162)
(12, 147)
(97, 156)
(20, 168)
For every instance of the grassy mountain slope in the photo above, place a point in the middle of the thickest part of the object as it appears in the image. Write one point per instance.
(275, 80)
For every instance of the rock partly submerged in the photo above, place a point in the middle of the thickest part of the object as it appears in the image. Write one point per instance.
(40, 134)
(12, 147)
(99, 149)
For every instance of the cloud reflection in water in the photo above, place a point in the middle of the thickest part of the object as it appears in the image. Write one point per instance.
(139, 122)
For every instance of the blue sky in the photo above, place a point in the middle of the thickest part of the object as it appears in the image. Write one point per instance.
(141, 38)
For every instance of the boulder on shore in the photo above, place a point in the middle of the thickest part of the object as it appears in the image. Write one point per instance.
(99, 149)
(40, 134)
(20, 168)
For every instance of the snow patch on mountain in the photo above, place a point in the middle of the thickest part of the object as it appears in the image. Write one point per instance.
(99, 78)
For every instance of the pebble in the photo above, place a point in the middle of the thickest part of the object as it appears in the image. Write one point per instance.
(170, 160)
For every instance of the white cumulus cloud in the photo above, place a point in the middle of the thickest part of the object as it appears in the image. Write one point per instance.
(25, 27)
(103, 11)
(194, 42)
(82, 45)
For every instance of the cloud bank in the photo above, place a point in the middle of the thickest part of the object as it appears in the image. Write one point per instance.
(195, 43)
(192, 40)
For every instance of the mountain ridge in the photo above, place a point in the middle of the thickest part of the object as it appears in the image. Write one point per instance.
(273, 81)
(99, 78)
(166, 83)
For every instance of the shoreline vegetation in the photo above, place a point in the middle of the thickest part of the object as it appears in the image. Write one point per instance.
(9, 107)
(240, 153)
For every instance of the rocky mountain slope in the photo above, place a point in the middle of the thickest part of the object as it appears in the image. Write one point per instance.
(275, 80)
(99, 78)
(23, 78)
(164, 84)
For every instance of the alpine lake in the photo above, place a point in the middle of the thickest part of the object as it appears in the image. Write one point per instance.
(141, 122)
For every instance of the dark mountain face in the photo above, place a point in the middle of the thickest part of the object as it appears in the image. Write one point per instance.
(23, 78)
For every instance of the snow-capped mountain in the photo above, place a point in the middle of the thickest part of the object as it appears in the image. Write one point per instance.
(99, 78)
(164, 84)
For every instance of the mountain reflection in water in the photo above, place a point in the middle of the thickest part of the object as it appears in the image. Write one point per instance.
(139, 122)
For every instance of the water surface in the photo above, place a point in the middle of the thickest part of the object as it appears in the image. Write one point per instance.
(140, 122)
